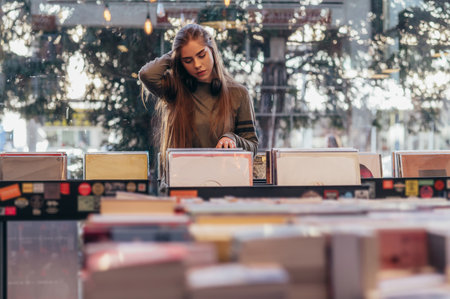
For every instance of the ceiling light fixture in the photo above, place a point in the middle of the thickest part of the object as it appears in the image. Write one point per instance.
(148, 27)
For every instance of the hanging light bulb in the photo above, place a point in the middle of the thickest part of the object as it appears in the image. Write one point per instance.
(160, 10)
(151, 1)
(148, 27)
(226, 2)
(107, 13)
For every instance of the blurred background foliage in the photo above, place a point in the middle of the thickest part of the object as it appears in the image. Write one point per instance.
(317, 57)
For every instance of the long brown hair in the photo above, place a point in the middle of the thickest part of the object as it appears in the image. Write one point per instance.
(177, 110)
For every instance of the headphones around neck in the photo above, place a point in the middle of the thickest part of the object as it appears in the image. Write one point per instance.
(215, 85)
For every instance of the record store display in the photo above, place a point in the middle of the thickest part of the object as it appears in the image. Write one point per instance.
(217, 233)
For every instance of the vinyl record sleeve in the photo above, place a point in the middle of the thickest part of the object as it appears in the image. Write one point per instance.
(209, 167)
(45, 166)
(370, 165)
(425, 165)
(312, 167)
(422, 163)
(116, 166)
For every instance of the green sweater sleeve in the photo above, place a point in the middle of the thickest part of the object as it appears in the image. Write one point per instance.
(152, 72)
(244, 133)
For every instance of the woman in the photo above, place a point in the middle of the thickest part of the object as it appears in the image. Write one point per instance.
(200, 104)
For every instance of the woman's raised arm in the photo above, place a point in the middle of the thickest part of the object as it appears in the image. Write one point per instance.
(152, 73)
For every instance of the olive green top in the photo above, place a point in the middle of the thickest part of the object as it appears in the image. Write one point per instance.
(243, 130)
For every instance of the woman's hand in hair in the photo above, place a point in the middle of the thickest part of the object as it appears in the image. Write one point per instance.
(226, 142)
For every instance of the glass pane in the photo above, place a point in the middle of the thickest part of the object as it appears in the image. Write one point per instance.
(374, 74)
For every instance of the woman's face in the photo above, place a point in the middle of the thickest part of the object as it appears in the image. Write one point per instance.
(198, 60)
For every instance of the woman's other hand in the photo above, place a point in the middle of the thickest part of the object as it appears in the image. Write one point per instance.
(226, 142)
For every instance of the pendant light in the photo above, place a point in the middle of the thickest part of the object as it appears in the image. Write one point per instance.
(148, 27)
(107, 13)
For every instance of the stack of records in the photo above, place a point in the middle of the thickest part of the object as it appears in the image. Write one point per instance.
(209, 167)
(409, 164)
(134, 270)
(46, 166)
(116, 166)
(237, 281)
(137, 203)
(312, 167)
(300, 251)
(354, 263)
(121, 228)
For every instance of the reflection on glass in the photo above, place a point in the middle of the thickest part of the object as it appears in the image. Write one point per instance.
(375, 73)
